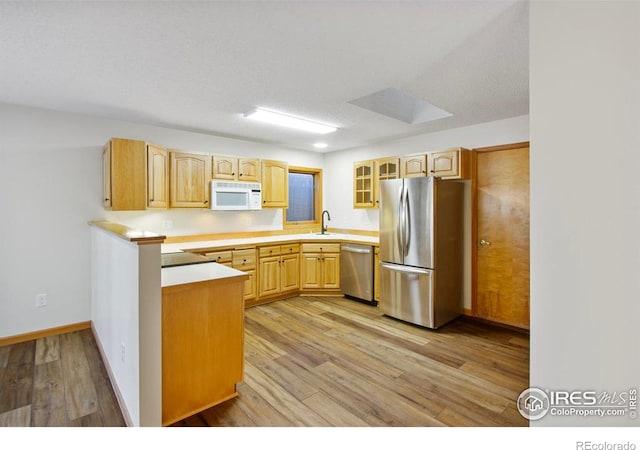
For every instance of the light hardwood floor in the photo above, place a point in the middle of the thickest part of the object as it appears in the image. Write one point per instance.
(309, 361)
(328, 361)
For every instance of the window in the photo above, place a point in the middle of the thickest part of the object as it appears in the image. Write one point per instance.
(305, 198)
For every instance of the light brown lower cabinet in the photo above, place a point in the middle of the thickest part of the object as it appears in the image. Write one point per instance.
(202, 345)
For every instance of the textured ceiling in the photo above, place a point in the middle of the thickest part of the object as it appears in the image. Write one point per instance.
(200, 65)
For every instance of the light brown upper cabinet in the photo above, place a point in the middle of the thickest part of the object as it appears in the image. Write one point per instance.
(249, 169)
(124, 168)
(385, 169)
(451, 163)
(413, 166)
(224, 167)
(363, 184)
(237, 169)
(157, 177)
(190, 176)
(275, 184)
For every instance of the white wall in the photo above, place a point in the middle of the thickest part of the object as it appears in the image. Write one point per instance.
(585, 199)
(338, 173)
(50, 187)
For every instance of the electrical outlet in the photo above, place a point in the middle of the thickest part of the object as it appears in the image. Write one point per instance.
(167, 224)
(123, 352)
(41, 300)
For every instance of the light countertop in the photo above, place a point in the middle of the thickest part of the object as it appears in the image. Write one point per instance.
(260, 240)
(195, 273)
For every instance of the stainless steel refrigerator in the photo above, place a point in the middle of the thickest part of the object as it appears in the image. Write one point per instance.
(421, 249)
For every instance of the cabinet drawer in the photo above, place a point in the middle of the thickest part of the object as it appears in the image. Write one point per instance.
(289, 249)
(269, 251)
(244, 259)
(219, 257)
(321, 248)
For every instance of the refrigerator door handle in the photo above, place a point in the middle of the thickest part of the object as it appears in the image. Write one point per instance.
(407, 221)
(400, 224)
(406, 269)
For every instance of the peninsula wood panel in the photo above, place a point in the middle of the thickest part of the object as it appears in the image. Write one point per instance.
(502, 196)
(202, 345)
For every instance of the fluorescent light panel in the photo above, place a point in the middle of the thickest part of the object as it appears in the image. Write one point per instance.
(320, 145)
(284, 120)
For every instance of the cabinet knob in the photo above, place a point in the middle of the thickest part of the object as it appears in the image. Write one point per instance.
(151, 200)
(318, 259)
(264, 201)
(241, 174)
(424, 171)
(244, 260)
(206, 201)
(233, 173)
(106, 199)
(432, 171)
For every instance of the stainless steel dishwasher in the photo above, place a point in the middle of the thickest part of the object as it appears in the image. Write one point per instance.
(356, 272)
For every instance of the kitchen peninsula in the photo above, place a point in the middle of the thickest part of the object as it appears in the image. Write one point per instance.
(171, 338)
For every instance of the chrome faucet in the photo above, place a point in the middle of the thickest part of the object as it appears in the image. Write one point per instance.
(324, 227)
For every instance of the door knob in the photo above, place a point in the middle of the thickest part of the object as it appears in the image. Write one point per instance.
(483, 242)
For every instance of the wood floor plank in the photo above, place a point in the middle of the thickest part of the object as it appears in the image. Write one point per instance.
(351, 401)
(81, 396)
(48, 407)
(90, 420)
(108, 403)
(22, 353)
(258, 410)
(285, 378)
(299, 349)
(343, 350)
(16, 387)
(4, 355)
(19, 417)
(228, 414)
(495, 376)
(332, 412)
(391, 409)
(294, 410)
(47, 349)
(262, 345)
(381, 325)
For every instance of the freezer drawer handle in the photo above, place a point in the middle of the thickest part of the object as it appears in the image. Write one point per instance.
(397, 268)
(356, 250)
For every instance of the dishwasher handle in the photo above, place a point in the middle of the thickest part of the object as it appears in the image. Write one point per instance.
(346, 248)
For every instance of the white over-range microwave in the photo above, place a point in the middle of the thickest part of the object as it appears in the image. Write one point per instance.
(235, 196)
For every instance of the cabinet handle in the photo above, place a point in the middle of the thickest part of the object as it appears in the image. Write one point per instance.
(151, 200)
(432, 171)
(206, 201)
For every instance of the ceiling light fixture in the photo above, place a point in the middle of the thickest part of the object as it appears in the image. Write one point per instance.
(289, 121)
(320, 145)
